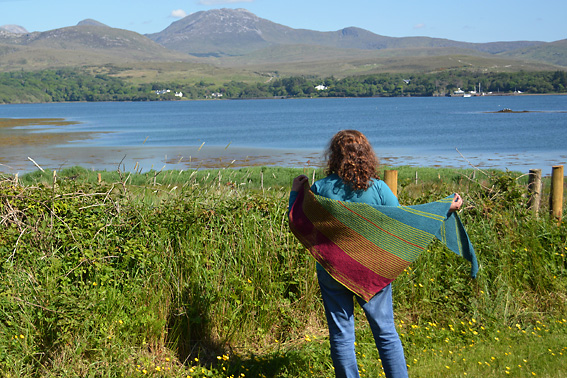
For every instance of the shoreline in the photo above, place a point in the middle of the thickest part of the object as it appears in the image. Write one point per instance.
(289, 98)
(143, 159)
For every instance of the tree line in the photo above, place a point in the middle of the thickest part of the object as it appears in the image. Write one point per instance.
(77, 85)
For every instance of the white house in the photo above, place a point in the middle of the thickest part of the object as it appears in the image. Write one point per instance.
(320, 87)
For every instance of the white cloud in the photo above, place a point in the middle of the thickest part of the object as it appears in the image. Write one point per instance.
(217, 2)
(419, 26)
(178, 13)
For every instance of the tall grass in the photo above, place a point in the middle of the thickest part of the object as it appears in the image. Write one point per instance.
(195, 273)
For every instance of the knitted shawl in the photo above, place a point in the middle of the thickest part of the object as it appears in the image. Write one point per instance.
(366, 247)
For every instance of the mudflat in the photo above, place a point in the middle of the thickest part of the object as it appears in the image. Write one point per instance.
(40, 140)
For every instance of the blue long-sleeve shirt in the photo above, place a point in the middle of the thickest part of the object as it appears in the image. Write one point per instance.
(333, 187)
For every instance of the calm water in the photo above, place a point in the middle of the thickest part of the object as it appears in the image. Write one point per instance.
(412, 131)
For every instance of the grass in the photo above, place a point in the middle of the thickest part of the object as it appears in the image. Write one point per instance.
(194, 273)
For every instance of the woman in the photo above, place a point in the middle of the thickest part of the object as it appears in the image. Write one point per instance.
(352, 177)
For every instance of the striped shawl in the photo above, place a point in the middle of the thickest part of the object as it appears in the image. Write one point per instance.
(366, 247)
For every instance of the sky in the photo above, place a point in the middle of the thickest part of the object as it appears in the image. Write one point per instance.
(466, 21)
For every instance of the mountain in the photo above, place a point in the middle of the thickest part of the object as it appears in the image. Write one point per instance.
(80, 45)
(237, 32)
(241, 44)
(16, 29)
(91, 22)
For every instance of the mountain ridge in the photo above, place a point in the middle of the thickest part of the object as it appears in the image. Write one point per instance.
(238, 39)
(214, 33)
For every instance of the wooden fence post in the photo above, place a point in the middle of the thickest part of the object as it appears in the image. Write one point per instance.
(391, 179)
(556, 200)
(534, 188)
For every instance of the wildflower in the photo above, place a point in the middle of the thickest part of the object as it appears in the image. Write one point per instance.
(21, 336)
(167, 359)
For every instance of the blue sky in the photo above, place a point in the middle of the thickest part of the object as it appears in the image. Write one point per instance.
(468, 21)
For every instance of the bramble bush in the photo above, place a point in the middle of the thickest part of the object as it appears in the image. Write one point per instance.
(199, 275)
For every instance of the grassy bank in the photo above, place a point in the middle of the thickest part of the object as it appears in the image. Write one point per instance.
(177, 274)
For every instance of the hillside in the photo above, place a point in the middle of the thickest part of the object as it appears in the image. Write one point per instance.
(246, 47)
(554, 53)
(86, 44)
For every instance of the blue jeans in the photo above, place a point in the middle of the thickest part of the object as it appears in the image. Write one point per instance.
(339, 309)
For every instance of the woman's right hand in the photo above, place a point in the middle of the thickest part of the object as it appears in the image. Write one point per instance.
(298, 183)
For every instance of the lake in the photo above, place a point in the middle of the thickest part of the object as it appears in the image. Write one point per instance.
(449, 132)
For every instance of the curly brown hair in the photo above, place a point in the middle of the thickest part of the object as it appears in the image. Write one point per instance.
(352, 158)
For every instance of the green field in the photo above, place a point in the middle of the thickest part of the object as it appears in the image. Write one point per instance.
(195, 273)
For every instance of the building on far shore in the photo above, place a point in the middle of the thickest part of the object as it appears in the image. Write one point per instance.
(164, 91)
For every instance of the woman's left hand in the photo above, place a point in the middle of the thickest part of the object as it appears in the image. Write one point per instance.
(456, 204)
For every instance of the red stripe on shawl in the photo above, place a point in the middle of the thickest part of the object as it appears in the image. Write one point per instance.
(355, 276)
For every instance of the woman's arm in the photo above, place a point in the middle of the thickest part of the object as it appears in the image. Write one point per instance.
(296, 186)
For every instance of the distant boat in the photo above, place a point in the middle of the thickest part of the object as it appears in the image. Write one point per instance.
(467, 95)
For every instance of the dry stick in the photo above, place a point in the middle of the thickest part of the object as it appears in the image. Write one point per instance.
(476, 169)
(86, 260)
(120, 174)
(472, 165)
(36, 305)
(16, 245)
(37, 165)
(66, 225)
(262, 181)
